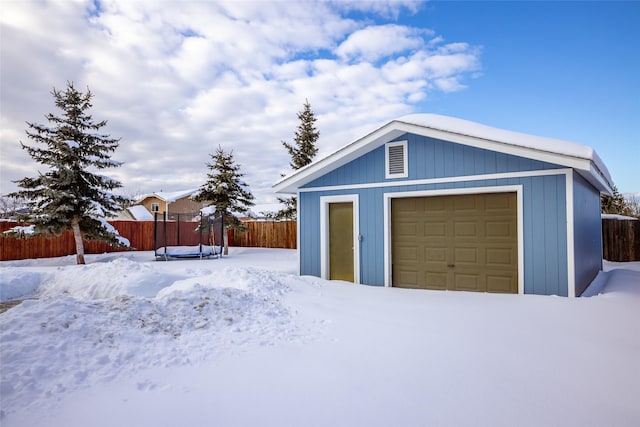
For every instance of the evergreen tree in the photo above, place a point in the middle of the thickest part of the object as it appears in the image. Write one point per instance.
(616, 204)
(226, 191)
(304, 148)
(634, 205)
(302, 153)
(68, 196)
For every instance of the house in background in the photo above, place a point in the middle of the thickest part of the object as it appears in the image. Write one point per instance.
(435, 202)
(177, 202)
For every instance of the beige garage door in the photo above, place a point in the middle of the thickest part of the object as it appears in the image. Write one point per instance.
(462, 242)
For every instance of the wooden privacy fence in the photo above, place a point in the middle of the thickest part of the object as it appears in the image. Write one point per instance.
(620, 240)
(139, 234)
(265, 234)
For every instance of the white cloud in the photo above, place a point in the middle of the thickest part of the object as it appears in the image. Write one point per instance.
(177, 79)
(375, 42)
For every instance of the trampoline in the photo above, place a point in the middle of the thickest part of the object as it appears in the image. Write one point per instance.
(183, 236)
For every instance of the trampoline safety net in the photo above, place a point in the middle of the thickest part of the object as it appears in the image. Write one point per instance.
(187, 235)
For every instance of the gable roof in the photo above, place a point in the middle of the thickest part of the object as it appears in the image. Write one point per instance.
(582, 158)
(169, 197)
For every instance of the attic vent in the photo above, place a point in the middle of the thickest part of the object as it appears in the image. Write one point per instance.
(396, 160)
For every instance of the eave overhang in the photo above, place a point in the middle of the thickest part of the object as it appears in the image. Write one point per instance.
(588, 168)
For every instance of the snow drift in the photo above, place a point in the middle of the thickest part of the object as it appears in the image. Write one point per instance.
(242, 341)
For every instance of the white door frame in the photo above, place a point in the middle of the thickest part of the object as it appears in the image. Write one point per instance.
(450, 192)
(324, 233)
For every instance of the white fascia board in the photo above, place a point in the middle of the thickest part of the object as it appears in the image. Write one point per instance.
(396, 128)
(500, 147)
(586, 166)
(290, 184)
(597, 179)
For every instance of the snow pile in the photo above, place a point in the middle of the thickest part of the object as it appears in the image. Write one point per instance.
(243, 341)
(119, 277)
(618, 283)
(103, 321)
(15, 283)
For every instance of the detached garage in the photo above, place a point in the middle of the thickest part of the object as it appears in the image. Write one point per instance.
(434, 202)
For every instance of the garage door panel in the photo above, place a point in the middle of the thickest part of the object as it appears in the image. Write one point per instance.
(500, 202)
(433, 205)
(408, 278)
(462, 242)
(500, 257)
(435, 280)
(435, 254)
(435, 229)
(408, 253)
(500, 284)
(467, 282)
(466, 256)
(407, 229)
(408, 205)
(499, 229)
(465, 229)
(465, 203)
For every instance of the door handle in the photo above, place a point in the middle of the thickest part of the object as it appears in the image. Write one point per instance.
(451, 265)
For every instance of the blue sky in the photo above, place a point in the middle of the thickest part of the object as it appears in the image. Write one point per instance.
(568, 70)
(177, 79)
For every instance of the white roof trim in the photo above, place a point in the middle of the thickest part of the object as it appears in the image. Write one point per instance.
(579, 157)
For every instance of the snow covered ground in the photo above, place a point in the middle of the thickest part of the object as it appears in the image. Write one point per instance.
(243, 341)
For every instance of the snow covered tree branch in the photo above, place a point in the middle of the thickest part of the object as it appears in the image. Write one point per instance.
(69, 195)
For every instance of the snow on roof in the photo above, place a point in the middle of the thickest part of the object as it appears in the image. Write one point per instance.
(140, 213)
(468, 128)
(580, 157)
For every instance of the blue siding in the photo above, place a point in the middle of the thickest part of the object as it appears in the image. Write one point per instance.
(545, 235)
(371, 229)
(544, 207)
(587, 232)
(309, 224)
(429, 158)
(544, 226)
